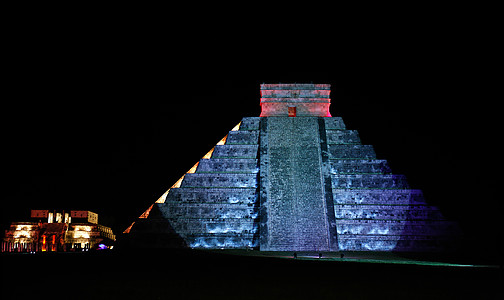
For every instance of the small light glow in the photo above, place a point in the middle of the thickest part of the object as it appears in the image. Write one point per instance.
(222, 141)
(209, 154)
(82, 231)
(178, 183)
(129, 228)
(44, 243)
(83, 227)
(162, 199)
(23, 231)
(193, 169)
(237, 127)
(146, 213)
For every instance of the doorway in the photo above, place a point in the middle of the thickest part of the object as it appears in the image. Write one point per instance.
(292, 111)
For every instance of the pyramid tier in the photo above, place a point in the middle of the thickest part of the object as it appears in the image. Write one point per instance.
(218, 165)
(343, 137)
(249, 123)
(335, 123)
(351, 151)
(220, 180)
(378, 196)
(181, 196)
(360, 166)
(242, 137)
(386, 212)
(235, 151)
(394, 243)
(395, 227)
(369, 181)
(294, 184)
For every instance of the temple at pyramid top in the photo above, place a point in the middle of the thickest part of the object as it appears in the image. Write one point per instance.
(295, 100)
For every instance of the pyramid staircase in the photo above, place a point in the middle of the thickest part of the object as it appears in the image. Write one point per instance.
(305, 183)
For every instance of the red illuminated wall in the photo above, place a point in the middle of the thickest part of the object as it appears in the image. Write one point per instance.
(39, 213)
(79, 214)
(309, 100)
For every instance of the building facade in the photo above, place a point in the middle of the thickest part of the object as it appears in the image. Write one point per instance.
(58, 232)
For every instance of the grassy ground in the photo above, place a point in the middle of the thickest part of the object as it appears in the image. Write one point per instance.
(230, 275)
(366, 257)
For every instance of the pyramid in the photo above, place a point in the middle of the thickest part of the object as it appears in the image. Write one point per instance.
(293, 179)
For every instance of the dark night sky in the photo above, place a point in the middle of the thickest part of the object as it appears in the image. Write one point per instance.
(106, 125)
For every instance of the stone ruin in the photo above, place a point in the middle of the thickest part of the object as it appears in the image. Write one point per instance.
(293, 179)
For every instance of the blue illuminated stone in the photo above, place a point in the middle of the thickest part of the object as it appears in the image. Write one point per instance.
(302, 183)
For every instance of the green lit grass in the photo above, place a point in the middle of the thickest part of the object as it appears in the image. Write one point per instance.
(351, 257)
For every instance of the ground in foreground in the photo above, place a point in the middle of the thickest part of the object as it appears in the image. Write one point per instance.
(228, 275)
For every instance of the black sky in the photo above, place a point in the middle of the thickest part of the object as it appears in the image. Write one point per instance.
(108, 124)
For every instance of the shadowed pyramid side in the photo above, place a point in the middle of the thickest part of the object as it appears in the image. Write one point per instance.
(375, 209)
(214, 205)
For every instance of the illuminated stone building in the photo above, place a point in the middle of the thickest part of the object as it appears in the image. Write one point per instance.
(293, 179)
(53, 232)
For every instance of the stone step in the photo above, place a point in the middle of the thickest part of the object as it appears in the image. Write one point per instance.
(242, 137)
(250, 123)
(351, 151)
(295, 204)
(208, 210)
(404, 227)
(210, 180)
(342, 137)
(360, 166)
(194, 226)
(226, 165)
(369, 181)
(393, 243)
(382, 212)
(390, 197)
(224, 227)
(218, 242)
(334, 123)
(235, 151)
(213, 195)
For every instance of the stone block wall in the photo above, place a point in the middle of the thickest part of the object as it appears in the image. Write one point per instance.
(375, 210)
(235, 151)
(308, 100)
(217, 205)
(337, 151)
(224, 165)
(360, 166)
(343, 137)
(295, 184)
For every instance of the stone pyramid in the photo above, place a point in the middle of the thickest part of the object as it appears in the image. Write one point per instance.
(293, 179)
